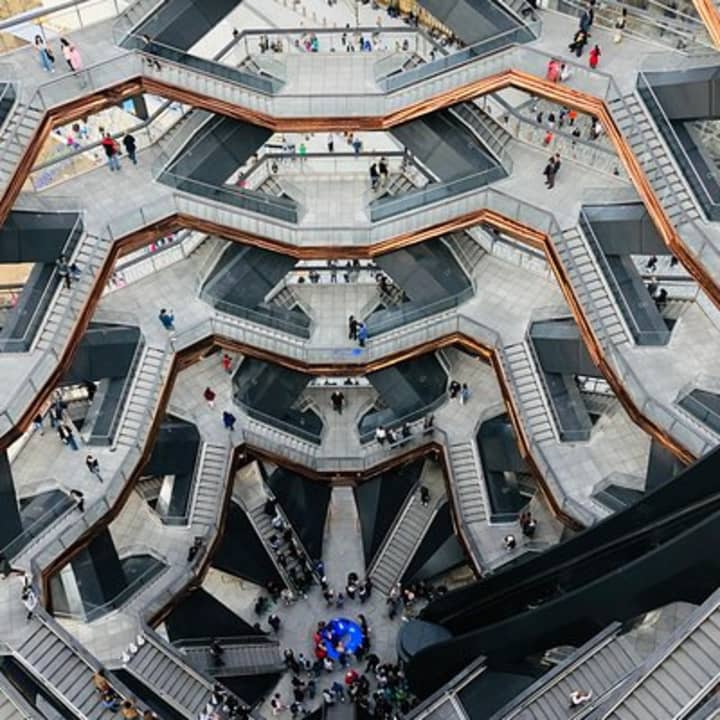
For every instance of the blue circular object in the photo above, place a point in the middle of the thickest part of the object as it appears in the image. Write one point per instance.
(341, 630)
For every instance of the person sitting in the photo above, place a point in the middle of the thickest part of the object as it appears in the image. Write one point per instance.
(381, 434)
(580, 697)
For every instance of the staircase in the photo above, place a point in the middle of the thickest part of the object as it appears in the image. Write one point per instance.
(13, 705)
(250, 658)
(590, 287)
(285, 298)
(644, 139)
(407, 532)
(597, 667)
(466, 250)
(147, 384)
(528, 388)
(399, 184)
(484, 127)
(270, 186)
(15, 139)
(57, 665)
(67, 305)
(690, 668)
(263, 526)
(165, 672)
(209, 487)
(468, 479)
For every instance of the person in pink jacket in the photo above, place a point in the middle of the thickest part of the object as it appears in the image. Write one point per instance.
(71, 55)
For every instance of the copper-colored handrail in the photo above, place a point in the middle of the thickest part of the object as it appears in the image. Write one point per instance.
(708, 12)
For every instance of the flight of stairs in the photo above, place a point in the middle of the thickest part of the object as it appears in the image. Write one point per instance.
(468, 478)
(689, 669)
(67, 305)
(590, 287)
(263, 527)
(596, 668)
(528, 388)
(667, 184)
(19, 129)
(250, 658)
(285, 298)
(49, 656)
(166, 673)
(467, 251)
(403, 539)
(148, 380)
(483, 126)
(209, 485)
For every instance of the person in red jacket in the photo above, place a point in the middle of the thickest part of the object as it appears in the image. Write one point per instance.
(595, 56)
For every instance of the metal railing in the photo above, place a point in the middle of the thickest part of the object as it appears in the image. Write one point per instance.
(60, 509)
(251, 200)
(383, 321)
(93, 611)
(492, 45)
(385, 208)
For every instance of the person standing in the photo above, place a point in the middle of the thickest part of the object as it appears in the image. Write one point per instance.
(594, 58)
(229, 420)
(227, 363)
(130, 147)
(374, 176)
(578, 43)
(111, 152)
(331, 142)
(47, 60)
(620, 25)
(167, 319)
(424, 496)
(63, 270)
(30, 601)
(549, 173)
(362, 334)
(93, 466)
(71, 55)
(38, 424)
(338, 399)
(383, 169)
(352, 328)
(464, 393)
(556, 164)
(209, 395)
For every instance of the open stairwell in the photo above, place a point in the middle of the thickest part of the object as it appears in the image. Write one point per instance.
(667, 184)
(149, 379)
(13, 706)
(407, 532)
(596, 667)
(66, 304)
(50, 655)
(530, 393)
(164, 670)
(591, 287)
(209, 486)
(689, 669)
(466, 250)
(468, 478)
(238, 658)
